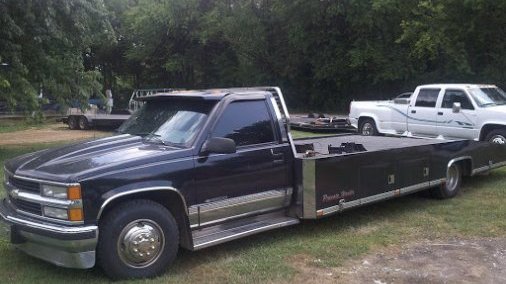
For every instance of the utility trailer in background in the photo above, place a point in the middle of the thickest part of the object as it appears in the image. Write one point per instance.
(321, 123)
(95, 117)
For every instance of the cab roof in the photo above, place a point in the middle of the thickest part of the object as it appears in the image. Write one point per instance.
(460, 86)
(208, 94)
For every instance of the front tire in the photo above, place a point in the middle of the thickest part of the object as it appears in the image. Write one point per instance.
(451, 187)
(367, 127)
(497, 136)
(137, 239)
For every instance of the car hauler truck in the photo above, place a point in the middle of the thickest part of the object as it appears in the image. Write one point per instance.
(195, 169)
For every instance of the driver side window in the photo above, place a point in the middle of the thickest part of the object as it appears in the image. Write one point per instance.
(456, 96)
(245, 122)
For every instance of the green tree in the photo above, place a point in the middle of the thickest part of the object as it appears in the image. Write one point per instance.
(44, 46)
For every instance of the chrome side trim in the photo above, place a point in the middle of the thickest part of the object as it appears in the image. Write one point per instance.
(247, 233)
(223, 210)
(480, 170)
(489, 167)
(309, 188)
(214, 235)
(378, 197)
(498, 165)
(139, 190)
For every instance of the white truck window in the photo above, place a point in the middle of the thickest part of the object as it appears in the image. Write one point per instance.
(427, 98)
(456, 96)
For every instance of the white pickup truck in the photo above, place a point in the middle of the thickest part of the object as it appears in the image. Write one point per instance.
(446, 111)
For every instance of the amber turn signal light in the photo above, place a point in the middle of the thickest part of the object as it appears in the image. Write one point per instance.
(76, 214)
(74, 192)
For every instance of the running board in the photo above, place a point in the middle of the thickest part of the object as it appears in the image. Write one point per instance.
(237, 229)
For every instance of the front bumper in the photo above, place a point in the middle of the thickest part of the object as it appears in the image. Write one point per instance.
(67, 246)
(354, 122)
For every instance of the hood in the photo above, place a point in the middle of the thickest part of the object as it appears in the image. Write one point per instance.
(499, 108)
(76, 161)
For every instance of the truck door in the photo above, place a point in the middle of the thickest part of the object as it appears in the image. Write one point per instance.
(255, 179)
(457, 123)
(422, 113)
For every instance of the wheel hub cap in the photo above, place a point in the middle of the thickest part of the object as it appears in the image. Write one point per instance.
(452, 178)
(141, 243)
(498, 139)
(367, 129)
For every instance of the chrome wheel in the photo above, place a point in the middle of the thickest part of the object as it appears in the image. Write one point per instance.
(141, 243)
(367, 129)
(498, 139)
(452, 178)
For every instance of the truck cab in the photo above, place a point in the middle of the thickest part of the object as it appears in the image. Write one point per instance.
(448, 111)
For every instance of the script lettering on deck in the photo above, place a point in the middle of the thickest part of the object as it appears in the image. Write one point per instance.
(341, 195)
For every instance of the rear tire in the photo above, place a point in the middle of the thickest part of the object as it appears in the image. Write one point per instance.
(72, 122)
(497, 136)
(367, 127)
(137, 239)
(451, 187)
(83, 123)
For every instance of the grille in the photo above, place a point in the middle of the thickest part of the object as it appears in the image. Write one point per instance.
(27, 206)
(24, 185)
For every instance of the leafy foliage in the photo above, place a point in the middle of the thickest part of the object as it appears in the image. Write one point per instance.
(323, 53)
(43, 47)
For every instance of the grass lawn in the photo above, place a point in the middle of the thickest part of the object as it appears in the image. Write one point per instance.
(478, 211)
(11, 125)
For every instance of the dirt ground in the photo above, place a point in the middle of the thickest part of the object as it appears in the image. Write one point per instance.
(454, 261)
(51, 133)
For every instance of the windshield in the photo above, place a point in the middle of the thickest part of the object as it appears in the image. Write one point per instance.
(171, 122)
(488, 96)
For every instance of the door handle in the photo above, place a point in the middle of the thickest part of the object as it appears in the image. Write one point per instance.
(413, 111)
(278, 158)
(440, 113)
(276, 154)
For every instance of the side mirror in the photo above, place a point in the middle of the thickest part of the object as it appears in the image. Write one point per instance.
(218, 145)
(401, 101)
(456, 107)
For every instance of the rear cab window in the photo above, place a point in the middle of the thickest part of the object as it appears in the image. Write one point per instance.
(427, 97)
(247, 123)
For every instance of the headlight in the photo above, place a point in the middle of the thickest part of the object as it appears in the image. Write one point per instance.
(54, 191)
(61, 192)
(72, 214)
(54, 212)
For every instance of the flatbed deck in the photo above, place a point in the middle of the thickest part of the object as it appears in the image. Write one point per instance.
(370, 143)
(378, 168)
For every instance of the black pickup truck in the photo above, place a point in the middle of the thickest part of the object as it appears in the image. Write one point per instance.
(194, 169)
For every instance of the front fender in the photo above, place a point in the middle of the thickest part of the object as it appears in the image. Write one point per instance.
(135, 188)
